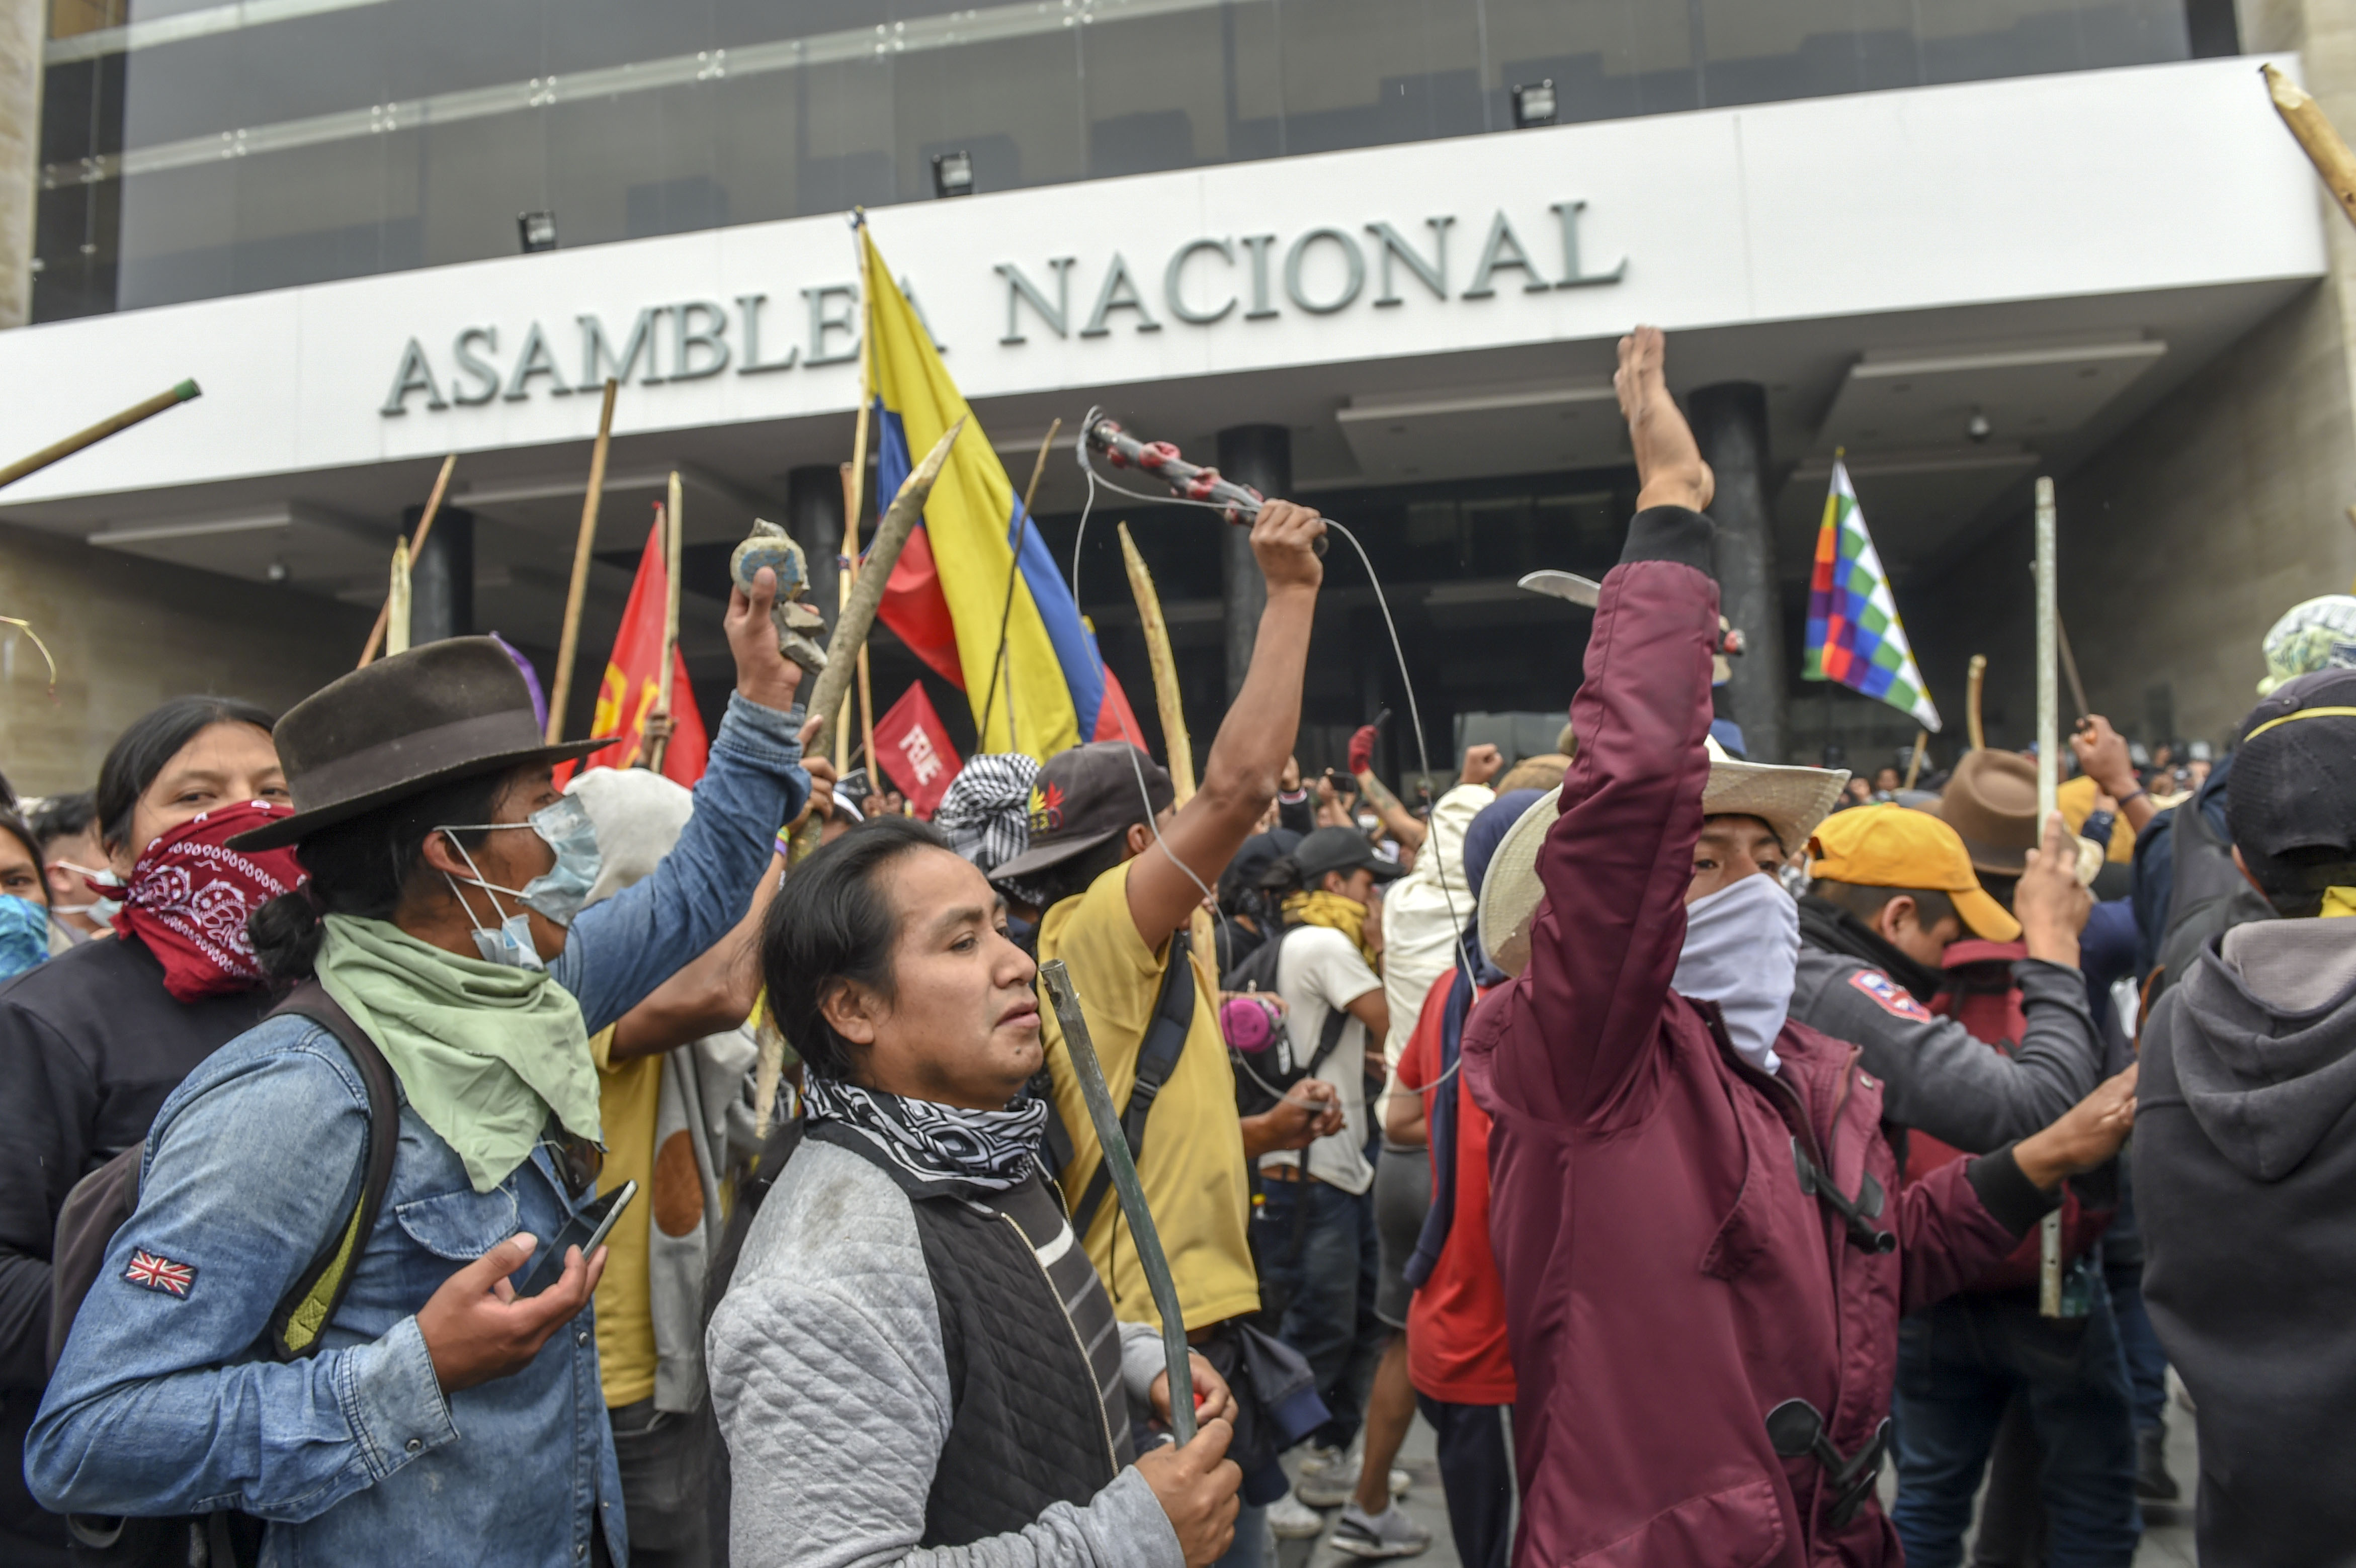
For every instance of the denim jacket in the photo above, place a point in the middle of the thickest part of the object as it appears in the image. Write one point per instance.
(168, 1400)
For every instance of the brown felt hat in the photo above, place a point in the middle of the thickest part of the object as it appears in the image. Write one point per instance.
(448, 710)
(1991, 803)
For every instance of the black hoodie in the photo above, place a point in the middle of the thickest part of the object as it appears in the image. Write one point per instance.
(2245, 1181)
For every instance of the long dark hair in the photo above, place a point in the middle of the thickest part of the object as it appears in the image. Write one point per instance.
(359, 868)
(833, 927)
(148, 746)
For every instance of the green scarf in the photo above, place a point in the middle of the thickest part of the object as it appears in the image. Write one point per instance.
(483, 1051)
(1318, 907)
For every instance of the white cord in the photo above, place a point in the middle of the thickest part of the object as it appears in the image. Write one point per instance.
(1415, 717)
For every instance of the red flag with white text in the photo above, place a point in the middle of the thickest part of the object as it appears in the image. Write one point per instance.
(913, 747)
(633, 684)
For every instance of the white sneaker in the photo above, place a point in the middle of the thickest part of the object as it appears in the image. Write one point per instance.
(1389, 1533)
(1327, 1477)
(1292, 1519)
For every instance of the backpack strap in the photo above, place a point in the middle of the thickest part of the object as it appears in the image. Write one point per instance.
(1157, 1058)
(296, 1325)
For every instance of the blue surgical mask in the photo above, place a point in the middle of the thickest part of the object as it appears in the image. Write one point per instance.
(561, 890)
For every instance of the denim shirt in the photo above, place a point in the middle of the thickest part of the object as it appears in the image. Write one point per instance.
(169, 1401)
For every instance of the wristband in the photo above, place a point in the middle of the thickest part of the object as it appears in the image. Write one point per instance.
(2139, 792)
(785, 843)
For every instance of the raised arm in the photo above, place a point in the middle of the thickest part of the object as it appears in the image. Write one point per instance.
(621, 949)
(1571, 1035)
(1239, 778)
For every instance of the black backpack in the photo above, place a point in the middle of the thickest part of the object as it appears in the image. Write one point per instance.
(1264, 1077)
(103, 1202)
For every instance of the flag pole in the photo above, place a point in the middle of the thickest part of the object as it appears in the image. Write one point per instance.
(1914, 762)
(1006, 610)
(569, 644)
(854, 477)
(416, 543)
(2048, 781)
(674, 525)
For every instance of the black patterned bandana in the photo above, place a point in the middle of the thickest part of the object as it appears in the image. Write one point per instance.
(931, 1142)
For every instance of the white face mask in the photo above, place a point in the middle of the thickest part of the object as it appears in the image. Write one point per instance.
(99, 910)
(508, 944)
(1742, 948)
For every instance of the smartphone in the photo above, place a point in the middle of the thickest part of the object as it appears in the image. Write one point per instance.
(586, 1230)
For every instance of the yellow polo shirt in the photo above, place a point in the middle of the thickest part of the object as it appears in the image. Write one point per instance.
(1192, 1164)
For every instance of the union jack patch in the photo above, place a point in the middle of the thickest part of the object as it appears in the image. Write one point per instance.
(1892, 996)
(155, 1271)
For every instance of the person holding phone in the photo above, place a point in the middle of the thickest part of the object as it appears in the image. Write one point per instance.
(449, 1410)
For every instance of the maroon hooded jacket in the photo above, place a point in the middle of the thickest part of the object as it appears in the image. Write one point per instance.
(1667, 1281)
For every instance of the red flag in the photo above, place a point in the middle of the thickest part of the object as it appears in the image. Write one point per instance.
(633, 684)
(913, 747)
(1114, 719)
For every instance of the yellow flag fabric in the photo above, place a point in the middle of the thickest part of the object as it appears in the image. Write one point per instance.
(967, 527)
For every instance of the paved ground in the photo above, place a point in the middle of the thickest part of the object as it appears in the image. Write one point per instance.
(2166, 1540)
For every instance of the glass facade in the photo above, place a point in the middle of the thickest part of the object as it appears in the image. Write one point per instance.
(192, 148)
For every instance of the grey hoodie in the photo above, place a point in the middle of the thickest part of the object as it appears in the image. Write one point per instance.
(2245, 1181)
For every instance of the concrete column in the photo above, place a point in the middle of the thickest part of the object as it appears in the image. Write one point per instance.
(441, 577)
(1259, 455)
(1729, 420)
(23, 27)
(814, 516)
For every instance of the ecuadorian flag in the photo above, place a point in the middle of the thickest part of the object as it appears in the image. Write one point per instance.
(946, 592)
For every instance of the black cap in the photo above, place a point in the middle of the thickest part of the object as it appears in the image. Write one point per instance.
(1084, 796)
(1341, 849)
(2290, 800)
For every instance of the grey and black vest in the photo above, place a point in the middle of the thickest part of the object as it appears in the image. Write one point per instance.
(1027, 1426)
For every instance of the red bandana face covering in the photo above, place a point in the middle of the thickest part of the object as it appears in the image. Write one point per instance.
(189, 898)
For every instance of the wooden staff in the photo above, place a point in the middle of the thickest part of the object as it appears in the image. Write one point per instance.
(1006, 609)
(1972, 684)
(396, 601)
(2324, 147)
(2049, 781)
(2070, 669)
(416, 544)
(569, 644)
(58, 450)
(859, 614)
(1914, 762)
(672, 520)
(845, 579)
(1175, 743)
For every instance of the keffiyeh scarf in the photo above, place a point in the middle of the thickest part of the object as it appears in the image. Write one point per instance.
(934, 1143)
(987, 811)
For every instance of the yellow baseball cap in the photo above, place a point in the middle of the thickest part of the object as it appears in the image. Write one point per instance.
(1891, 847)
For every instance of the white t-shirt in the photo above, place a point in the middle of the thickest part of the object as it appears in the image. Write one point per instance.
(1319, 970)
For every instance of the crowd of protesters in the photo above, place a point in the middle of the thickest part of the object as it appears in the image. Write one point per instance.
(414, 1152)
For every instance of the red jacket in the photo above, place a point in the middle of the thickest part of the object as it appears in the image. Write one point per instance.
(1667, 1282)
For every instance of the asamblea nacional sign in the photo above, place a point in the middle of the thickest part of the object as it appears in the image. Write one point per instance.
(1202, 284)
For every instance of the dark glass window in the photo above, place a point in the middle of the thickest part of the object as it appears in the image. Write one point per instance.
(189, 149)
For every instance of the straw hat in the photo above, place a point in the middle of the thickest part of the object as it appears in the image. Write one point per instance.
(1790, 800)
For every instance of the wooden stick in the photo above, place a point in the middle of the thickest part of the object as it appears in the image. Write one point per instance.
(2070, 669)
(859, 615)
(1914, 762)
(1175, 743)
(2048, 781)
(416, 544)
(59, 450)
(569, 644)
(674, 526)
(1972, 684)
(396, 601)
(846, 577)
(1006, 610)
(2324, 147)
(867, 722)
